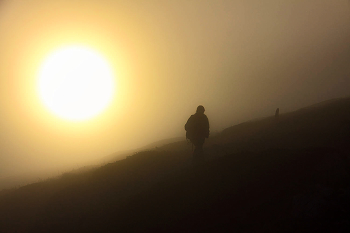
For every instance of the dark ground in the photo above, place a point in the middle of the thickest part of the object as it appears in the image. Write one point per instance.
(290, 175)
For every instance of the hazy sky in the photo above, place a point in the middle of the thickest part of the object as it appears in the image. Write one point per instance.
(239, 59)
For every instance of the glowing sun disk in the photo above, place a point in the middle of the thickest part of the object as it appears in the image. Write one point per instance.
(75, 83)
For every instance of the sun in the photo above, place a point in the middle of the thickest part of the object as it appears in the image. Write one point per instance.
(76, 83)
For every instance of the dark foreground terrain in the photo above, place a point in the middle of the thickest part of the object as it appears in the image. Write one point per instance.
(268, 175)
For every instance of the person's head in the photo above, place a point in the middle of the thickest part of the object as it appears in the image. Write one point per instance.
(200, 109)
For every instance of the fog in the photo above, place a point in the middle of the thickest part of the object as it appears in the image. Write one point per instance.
(239, 59)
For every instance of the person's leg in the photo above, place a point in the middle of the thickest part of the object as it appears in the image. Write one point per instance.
(198, 151)
(195, 152)
(200, 155)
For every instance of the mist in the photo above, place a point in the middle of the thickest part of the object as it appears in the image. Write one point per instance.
(239, 59)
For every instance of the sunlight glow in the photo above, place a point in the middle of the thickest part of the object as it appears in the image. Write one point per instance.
(76, 83)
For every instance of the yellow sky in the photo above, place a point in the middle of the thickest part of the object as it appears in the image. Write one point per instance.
(240, 59)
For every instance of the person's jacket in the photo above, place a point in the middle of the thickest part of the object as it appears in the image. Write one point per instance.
(197, 126)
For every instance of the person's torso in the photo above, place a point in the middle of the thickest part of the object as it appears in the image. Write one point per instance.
(199, 125)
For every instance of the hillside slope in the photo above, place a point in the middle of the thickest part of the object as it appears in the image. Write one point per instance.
(260, 176)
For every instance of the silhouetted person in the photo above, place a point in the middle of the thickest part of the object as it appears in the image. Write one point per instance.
(277, 114)
(197, 129)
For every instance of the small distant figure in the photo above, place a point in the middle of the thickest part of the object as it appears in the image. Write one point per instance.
(277, 114)
(197, 130)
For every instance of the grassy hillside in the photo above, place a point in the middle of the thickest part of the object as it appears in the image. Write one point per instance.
(259, 176)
